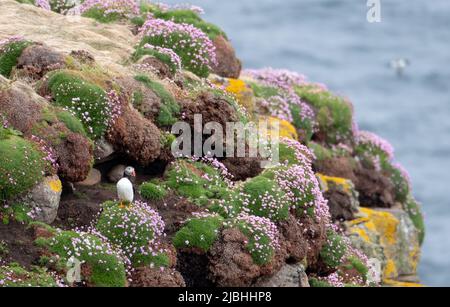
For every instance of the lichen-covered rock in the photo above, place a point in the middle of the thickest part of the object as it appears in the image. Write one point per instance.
(392, 232)
(290, 276)
(44, 199)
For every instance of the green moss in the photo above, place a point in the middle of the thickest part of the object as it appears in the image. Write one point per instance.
(322, 153)
(100, 16)
(266, 199)
(9, 55)
(4, 251)
(71, 122)
(414, 211)
(107, 268)
(21, 164)
(401, 184)
(333, 251)
(333, 113)
(356, 264)
(262, 91)
(16, 212)
(287, 154)
(81, 97)
(316, 283)
(13, 275)
(151, 191)
(131, 229)
(259, 244)
(230, 204)
(196, 181)
(169, 109)
(302, 124)
(199, 233)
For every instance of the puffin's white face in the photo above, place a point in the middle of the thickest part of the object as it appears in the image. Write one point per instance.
(130, 172)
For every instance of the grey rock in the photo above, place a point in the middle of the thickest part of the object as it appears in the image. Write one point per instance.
(290, 275)
(44, 198)
(94, 177)
(116, 173)
(103, 151)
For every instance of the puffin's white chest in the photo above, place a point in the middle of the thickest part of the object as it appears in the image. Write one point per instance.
(125, 190)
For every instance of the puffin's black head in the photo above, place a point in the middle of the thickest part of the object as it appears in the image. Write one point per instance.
(129, 172)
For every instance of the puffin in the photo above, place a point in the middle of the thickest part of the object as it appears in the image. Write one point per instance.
(125, 190)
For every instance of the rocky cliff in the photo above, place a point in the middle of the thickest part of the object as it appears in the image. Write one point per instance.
(87, 90)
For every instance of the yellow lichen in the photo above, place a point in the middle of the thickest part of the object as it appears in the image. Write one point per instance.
(390, 271)
(240, 89)
(401, 284)
(286, 129)
(384, 223)
(55, 185)
(360, 232)
(342, 182)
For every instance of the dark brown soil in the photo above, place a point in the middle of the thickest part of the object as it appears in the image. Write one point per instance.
(340, 204)
(229, 66)
(80, 208)
(194, 269)
(19, 243)
(375, 190)
(243, 168)
(342, 167)
(148, 277)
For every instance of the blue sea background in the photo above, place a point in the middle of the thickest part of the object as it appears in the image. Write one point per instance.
(330, 41)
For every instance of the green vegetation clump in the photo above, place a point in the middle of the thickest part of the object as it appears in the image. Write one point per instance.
(134, 228)
(107, 268)
(263, 91)
(414, 210)
(18, 212)
(152, 191)
(197, 181)
(356, 264)
(333, 251)
(22, 165)
(317, 283)
(13, 275)
(71, 122)
(169, 109)
(266, 198)
(287, 154)
(199, 233)
(333, 113)
(87, 101)
(9, 54)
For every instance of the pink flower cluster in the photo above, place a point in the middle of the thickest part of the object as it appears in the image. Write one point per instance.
(44, 4)
(174, 58)
(114, 106)
(370, 139)
(184, 6)
(404, 173)
(258, 226)
(4, 43)
(196, 39)
(123, 8)
(280, 78)
(285, 81)
(49, 154)
(303, 154)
